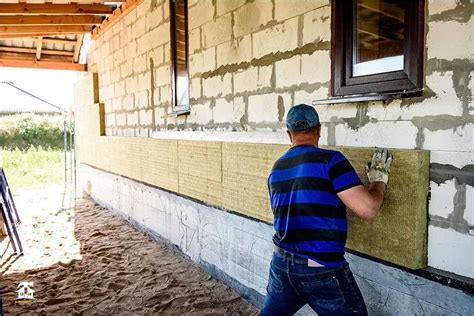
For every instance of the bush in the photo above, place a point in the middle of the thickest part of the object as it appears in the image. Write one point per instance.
(32, 167)
(26, 130)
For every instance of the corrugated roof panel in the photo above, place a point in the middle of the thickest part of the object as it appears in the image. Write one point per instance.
(14, 100)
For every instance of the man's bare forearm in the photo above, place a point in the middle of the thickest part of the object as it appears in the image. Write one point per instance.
(377, 191)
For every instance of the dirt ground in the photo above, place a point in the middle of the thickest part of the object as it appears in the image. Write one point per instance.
(84, 260)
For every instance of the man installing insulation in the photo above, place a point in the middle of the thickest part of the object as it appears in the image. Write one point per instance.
(310, 189)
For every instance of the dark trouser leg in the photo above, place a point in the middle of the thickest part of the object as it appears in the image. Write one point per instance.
(354, 304)
(281, 298)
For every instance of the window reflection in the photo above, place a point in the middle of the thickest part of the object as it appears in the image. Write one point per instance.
(379, 35)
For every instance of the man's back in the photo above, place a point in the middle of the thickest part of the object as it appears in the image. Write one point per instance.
(309, 217)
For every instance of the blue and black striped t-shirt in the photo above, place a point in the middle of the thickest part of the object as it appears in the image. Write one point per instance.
(309, 218)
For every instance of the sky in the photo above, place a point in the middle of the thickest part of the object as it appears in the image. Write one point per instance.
(54, 86)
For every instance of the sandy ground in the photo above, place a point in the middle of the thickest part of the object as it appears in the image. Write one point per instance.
(84, 260)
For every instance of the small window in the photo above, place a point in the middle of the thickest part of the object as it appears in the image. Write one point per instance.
(179, 54)
(377, 47)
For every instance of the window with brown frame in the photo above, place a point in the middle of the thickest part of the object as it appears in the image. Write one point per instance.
(179, 55)
(377, 47)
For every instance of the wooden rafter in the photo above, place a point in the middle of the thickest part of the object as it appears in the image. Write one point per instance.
(35, 51)
(49, 8)
(77, 48)
(77, 29)
(62, 65)
(39, 47)
(50, 20)
(32, 35)
(58, 41)
(389, 10)
(40, 22)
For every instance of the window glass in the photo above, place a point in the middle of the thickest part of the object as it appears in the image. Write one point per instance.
(379, 36)
(180, 53)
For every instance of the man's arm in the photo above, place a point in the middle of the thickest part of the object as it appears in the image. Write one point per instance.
(364, 202)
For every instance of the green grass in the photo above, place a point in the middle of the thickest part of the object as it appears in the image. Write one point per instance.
(34, 167)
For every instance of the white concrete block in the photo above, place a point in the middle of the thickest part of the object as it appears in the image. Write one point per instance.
(216, 31)
(195, 88)
(252, 16)
(252, 79)
(445, 102)
(200, 113)
(335, 113)
(436, 7)
(279, 38)
(264, 108)
(132, 118)
(129, 102)
(288, 71)
(226, 6)
(138, 27)
(165, 94)
(441, 203)
(144, 81)
(382, 134)
(217, 86)
(120, 119)
(234, 52)
(316, 67)
(194, 40)
(285, 9)
(154, 18)
(131, 85)
(202, 61)
(458, 139)
(200, 13)
(451, 251)
(162, 76)
(455, 158)
(301, 96)
(228, 112)
(441, 32)
(146, 117)
(316, 26)
(141, 99)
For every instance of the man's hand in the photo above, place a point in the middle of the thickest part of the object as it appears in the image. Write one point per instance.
(379, 168)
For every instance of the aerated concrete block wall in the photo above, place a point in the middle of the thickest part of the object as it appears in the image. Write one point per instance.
(250, 61)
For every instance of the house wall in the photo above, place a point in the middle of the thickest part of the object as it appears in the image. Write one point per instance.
(250, 62)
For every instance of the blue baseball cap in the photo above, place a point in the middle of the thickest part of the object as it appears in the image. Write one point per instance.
(301, 117)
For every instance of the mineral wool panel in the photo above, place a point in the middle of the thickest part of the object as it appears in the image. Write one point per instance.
(398, 234)
(200, 173)
(245, 169)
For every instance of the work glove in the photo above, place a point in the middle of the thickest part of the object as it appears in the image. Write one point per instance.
(378, 168)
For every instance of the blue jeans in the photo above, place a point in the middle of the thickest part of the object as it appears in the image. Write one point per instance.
(329, 291)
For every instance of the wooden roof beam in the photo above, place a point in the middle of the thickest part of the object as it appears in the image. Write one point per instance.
(39, 47)
(49, 8)
(60, 65)
(22, 20)
(58, 41)
(33, 36)
(77, 48)
(57, 29)
(11, 49)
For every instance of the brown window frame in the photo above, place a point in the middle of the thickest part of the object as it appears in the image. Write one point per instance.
(179, 109)
(408, 81)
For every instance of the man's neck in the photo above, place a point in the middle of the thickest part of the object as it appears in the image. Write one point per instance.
(305, 143)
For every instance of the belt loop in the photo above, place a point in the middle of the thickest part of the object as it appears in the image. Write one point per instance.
(292, 259)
